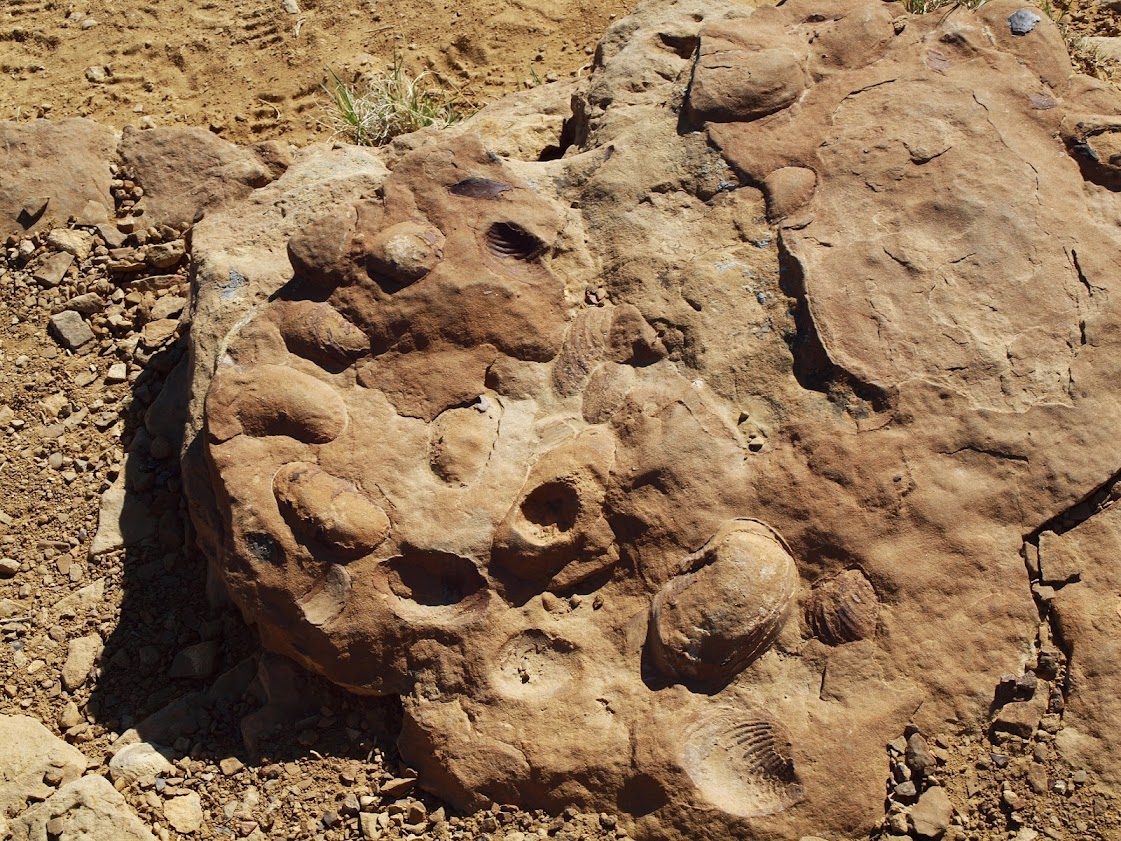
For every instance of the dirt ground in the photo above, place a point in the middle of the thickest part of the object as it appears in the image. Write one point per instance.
(252, 69)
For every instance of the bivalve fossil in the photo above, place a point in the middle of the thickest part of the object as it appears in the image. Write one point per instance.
(726, 607)
(741, 761)
(843, 609)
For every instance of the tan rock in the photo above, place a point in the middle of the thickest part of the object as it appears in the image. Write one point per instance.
(186, 171)
(88, 809)
(75, 243)
(184, 812)
(64, 163)
(124, 518)
(487, 449)
(81, 655)
(30, 751)
(931, 816)
(139, 761)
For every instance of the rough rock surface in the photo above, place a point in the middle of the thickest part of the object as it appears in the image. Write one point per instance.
(44, 795)
(186, 171)
(675, 475)
(34, 193)
(88, 809)
(30, 750)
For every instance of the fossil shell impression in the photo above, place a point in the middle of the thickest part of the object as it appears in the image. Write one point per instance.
(741, 762)
(843, 609)
(711, 621)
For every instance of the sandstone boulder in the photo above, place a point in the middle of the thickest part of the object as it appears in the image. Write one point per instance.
(186, 171)
(672, 475)
(30, 750)
(88, 809)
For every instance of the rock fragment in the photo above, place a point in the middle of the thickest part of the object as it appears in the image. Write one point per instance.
(30, 750)
(51, 272)
(75, 243)
(87, 809)
(184, 812)
(138, 761)
(70, 329)
(1023, 21)
(89, 303)
(81, 656)
(195, 661)
(932, 815)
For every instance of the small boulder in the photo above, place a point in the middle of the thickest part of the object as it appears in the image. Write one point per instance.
(81, 656)
(70, 329)
(184, 812)
(932, 814)
(139, 760)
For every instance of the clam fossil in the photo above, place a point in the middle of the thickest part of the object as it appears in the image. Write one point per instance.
(843, 609)
(510, 240)
(726, 607)
(742, 762)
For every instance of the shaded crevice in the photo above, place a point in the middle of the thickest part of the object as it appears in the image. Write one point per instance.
(1050, 641)
(1082, 278)
(993, 453)
(1099, 499)
(1051, 637)
(814, 369)
(569, 137)
(1090, 164)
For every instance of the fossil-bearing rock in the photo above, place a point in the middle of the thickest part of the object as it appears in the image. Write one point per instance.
(674, 472)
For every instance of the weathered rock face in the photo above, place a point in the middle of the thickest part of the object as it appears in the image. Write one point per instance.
(675, 475)
(54, 170)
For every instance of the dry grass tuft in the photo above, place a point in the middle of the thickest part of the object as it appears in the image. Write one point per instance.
(376, 109)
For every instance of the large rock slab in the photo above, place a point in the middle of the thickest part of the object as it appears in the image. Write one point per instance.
(89, 809)
(65, 163)
(30, 750)
(676, 475)
(186, 171)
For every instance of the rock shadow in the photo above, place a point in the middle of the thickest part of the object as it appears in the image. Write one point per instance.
(181, 669)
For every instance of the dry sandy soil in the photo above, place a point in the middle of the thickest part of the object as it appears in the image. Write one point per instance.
(251, 70)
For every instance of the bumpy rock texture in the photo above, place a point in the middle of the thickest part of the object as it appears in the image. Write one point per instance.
(674, 475)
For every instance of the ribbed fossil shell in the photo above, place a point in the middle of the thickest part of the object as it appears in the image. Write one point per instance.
(741, 761)
(727, 607)
(584, 348)
(507, 239)
(843, 609)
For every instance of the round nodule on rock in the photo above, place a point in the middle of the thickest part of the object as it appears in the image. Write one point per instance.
(534, 665)
(843, 609)
(266, 400)
(404, 253)
(327, 509)
(711, 621)
(732, 83)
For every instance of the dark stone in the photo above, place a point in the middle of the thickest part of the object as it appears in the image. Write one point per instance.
(1023, 21)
